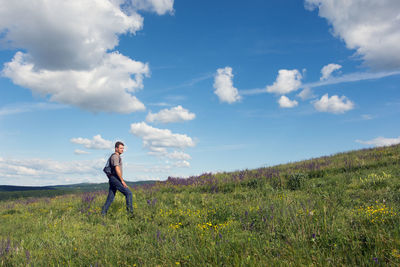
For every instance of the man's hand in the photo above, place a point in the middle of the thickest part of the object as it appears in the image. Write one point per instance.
(124, 184)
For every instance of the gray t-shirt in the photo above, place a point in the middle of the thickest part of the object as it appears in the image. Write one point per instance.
(116, 161)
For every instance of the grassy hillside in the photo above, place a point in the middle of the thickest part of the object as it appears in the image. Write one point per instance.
(336, 210)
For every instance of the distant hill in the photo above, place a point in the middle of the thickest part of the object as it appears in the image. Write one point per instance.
(13, 192)
(11, 188)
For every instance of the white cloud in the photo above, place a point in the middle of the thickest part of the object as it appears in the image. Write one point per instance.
(223, 85)
(160, 138)
(175, 114)
(50, 172)
(306, 93)
(159, 6)
(182, 164)
(107, 87)
(367, 116)
(64, 35)
(160, 141)
(370, 27)
(286, 82)
(352, 77)
(160, 104)
(140, 168)
(333, 104)
(327, 70)
(80, 152)
(41, 172)
(157, 151)
(285, 102)
(179, 155)
(67, 48)
(96, 143)
(381, 141)
(18, 108)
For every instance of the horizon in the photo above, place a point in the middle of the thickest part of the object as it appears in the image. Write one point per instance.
(192, 88)
(213, 173)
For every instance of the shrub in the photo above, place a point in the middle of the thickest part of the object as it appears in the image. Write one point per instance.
(296, 181)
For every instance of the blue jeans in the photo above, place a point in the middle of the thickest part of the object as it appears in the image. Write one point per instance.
(115, 184)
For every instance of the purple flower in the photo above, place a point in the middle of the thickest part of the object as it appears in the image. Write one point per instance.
(8, 247)
(158, 235)
(28, 255)
(87, 200)
(376, 260)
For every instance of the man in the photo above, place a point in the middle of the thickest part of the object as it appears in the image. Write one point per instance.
(116, 181)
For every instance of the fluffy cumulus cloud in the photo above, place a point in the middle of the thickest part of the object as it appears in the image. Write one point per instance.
(370, 27)
(66, 48)
(333, 104)
(175, 114)
(223, 85)
(286, 82)
(159, 6)
(107, 87)
(285, 102)
(96, 143)
(381, 141)
(159, 142)
(64, 35)
(327, 70)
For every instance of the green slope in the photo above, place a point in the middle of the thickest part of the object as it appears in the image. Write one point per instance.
(341, 210)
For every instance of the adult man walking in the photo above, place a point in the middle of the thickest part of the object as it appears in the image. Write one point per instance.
(116, 181)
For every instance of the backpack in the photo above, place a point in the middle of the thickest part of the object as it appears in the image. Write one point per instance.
(108, 170)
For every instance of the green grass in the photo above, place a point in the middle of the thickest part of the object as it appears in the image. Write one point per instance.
(329, 211)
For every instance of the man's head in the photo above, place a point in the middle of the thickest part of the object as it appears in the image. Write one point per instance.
(119, 147)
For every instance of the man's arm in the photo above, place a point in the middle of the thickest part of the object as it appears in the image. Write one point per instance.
(119, 173)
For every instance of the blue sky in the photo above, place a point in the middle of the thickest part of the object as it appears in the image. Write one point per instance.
(192, 86)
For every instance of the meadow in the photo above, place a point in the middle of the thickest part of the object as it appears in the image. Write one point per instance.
(335, 210)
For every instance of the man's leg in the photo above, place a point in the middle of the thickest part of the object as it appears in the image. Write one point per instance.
(110, 198)
(127, 193)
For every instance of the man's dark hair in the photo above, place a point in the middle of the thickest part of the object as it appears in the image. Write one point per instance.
(119, 143)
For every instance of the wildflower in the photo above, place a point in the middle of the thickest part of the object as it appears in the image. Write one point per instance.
(27, 255)
(395, 253)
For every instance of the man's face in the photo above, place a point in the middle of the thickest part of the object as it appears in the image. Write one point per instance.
(119, 149)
